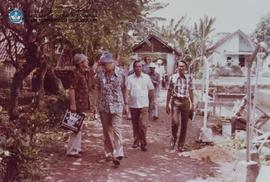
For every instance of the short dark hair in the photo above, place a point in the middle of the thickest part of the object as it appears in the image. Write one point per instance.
(135, 62)
(182, 61)
(145, 57)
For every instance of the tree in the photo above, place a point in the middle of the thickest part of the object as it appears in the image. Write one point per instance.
(189, 41)
(262, 31)
(48, 24)
(201, 33)
(176, 33)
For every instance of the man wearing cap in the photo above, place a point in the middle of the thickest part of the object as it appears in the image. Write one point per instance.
(111, 86)
(155, 78)
(147, 61)
(139, 93)
(79, 93)
(180, 94)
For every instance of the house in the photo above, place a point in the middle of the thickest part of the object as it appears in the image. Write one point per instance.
(266, 67)
(7, 69)
(231, 52)
(155, 46)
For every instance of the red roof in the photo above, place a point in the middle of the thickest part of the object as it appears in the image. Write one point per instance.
(154, 44)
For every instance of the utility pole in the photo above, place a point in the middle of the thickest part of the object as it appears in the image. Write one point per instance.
(248, 86)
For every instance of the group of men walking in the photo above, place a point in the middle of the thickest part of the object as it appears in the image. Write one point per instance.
(135, 95)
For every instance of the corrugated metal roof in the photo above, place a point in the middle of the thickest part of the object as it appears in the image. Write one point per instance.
(4, 55)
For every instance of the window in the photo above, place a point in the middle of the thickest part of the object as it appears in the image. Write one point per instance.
(229, 61)
(241, 60)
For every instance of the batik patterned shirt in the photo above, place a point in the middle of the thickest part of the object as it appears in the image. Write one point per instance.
(82, 84)
(111, 96)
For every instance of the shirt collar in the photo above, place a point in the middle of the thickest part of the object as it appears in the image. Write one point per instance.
(141, 76)
(185, 76)
(116, 71)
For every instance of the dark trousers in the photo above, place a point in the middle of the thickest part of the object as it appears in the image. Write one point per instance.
(139, 117)
(180, 107)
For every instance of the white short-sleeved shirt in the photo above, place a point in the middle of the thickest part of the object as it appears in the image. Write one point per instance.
(139, 87)
(160, 70)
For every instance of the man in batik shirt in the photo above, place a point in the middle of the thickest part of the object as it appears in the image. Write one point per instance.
(111, 84)
(79, 93)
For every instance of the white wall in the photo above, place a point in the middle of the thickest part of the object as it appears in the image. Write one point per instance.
(221, 59)
(244, 45)
(234, 44)
(170, 63)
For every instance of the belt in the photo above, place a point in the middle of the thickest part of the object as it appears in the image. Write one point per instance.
(174, 97)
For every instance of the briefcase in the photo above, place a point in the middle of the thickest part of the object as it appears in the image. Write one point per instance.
(72, 121)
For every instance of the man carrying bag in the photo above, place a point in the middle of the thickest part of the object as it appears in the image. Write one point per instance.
(79, 93)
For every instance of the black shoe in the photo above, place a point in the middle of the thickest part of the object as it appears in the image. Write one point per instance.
(119, 158)
(135, 145)
(74, 155)
(143, 148)
(155, 118)
(116, 162)
(172, 143)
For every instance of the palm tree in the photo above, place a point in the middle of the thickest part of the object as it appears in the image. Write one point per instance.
(175, 33)
(202, 31)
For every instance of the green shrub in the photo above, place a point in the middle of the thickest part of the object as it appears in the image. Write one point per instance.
(20, 141)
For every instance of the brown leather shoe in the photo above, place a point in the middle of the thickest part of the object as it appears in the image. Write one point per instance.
(155, 118)
(116, 161)
(74, 155)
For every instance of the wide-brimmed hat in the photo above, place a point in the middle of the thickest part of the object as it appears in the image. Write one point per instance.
(152, 65)
(79, 58)
(106, 57)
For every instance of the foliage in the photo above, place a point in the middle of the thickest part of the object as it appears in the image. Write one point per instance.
(20, 143)
(190, 41)
(56, 108)
(18, 152)
(262, 31)
(53, 27)
(107, 26)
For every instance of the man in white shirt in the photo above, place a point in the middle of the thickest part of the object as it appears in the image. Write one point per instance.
(160, 68)
(139, 92)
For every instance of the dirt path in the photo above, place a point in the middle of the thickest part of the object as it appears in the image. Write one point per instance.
(159, 163)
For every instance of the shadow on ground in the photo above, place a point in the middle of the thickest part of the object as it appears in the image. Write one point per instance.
(159, 163)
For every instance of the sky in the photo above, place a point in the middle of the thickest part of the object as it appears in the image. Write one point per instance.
(231, 15)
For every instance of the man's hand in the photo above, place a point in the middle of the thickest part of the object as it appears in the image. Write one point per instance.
(126, 109)
(95, 110)
(168, 109)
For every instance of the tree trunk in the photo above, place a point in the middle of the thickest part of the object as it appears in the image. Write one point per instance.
(11, 170)
(43, 70)
(56, 81)
(16, 84)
